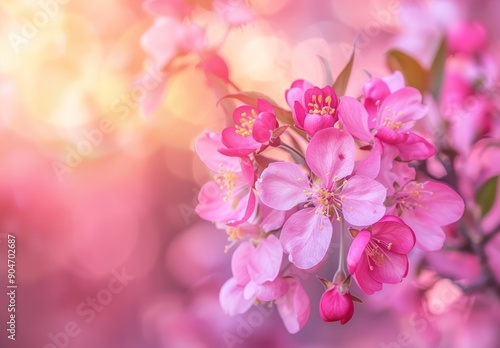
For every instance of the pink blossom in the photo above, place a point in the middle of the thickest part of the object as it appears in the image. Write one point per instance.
(393, 174)
(229, 198)
(233, 12)
(307, 233)
(466, 111)
(294, 307)
(183, 38)
(212, 64)
(255, 275)
(376, 89)
(313, 108)
(379, 256)
(426, 207)
(253, 129)
(466, 37)
(336, 303)
(263, 221)
(395, 115)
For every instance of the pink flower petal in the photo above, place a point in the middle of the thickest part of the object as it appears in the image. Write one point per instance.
(354, 118)
(270, 291)
(206, 147)
(242, 111)
(314, 122)
(282, 184)
(232, 300)
(441, 205)
(294, 308)
(244, 204)
(364, 279)
(392, 270)
(272, 219)
(248, 170)
(214, 64)
(364, 201)
(415, 148)
(265, 261)
(264, 106)
(390, 136)
(250, 291)
(161, 48)
(211, 205)
(395, 81)
(299, 115)
(330, 154)
(306, 237)
(404, 105)
(375, 89)
(239, 263)
(391, 229)
(191, 38)
(297, 91)
(237, 152)
(429, 237)
(263, 127)
(233, 140)
(357, 249)
(370, 166)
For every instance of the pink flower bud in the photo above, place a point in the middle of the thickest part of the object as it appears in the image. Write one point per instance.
(336, 305)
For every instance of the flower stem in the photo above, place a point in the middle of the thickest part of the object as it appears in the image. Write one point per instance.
(341, 269)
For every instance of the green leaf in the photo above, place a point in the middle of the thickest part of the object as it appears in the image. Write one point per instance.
(437, 70)
(326, 68)
(342, 80)
(485, 196)
(415, 75)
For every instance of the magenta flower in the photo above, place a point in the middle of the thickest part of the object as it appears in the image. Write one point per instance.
(330, 194)
(255, 275)
(426, 207)
(254, 129)
(336, 305)
(396, 113)
(229, 198)
(377, 89)
(467, 37)
(313, 108)
(379, 255)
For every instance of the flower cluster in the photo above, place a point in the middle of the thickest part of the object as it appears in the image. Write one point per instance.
(284, 182)
(175, 38)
